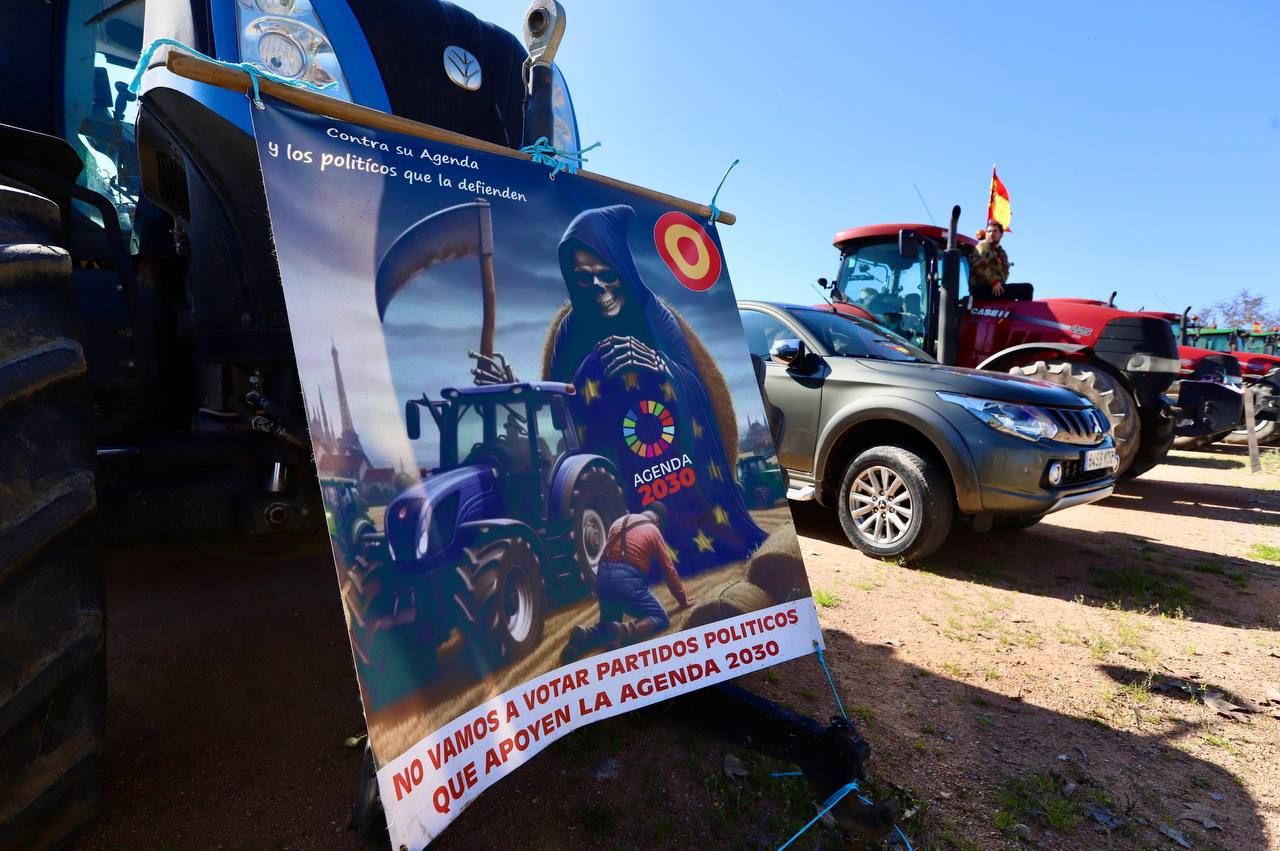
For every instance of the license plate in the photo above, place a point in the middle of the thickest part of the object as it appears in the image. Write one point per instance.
(1099, 459)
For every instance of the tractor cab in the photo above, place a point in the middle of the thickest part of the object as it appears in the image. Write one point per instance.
(895, 284)
(521, 432)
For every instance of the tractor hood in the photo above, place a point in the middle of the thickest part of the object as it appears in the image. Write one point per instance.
(433, 506)
(955, 379)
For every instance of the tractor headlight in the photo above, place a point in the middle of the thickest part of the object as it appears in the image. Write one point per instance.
(289, 41)
(1025, 421)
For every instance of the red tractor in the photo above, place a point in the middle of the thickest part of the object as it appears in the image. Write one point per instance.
(1258, 352)
(910, 278)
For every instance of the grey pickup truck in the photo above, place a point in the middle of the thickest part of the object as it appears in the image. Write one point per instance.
(898, 444)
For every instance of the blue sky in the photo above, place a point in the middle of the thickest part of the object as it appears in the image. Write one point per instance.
(1140, 141)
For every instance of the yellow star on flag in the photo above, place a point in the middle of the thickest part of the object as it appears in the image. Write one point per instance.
(668, 392)
(697, 429)
(675, 556)
(703, 542)
(713, 469)
(582, 434)
(632, 380)
(721, 516)
(591, 392)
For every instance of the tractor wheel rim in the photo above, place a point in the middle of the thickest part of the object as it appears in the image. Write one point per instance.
(594, 534)
(881, 507)
(518, 601)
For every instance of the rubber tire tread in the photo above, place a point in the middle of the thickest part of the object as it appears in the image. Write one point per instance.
(1120, 407)
(595, 487)
(1268, 431)
(933, 499)
(52, 621)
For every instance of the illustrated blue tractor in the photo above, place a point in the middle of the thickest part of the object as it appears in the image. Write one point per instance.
(514, 513)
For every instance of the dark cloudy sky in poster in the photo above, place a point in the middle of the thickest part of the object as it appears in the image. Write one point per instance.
(432, 324)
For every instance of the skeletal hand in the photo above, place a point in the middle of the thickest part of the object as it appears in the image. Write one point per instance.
(619, 353)
(491, 369)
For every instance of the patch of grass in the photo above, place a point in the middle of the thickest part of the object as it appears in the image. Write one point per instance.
(1200, 781)
(954, 670)
(826, 599)
(1264, 552)
(1221, 742)
(1101, 647)
(1024, 800)
(1144, 586)
(957, 842)
(862, 713)
(992, 674)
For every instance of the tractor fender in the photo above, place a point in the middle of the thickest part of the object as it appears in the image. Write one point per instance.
(941, 435)
(567, 474)
(477, 533)
(1002, 360)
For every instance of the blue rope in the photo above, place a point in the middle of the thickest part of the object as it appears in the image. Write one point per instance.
(836, 797)
(543, 152)
(822, 660)
(715, 211)
(252, 70)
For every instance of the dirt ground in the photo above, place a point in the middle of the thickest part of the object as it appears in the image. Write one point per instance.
(1022, 689)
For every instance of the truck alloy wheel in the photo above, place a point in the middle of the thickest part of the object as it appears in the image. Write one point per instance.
(895, 504)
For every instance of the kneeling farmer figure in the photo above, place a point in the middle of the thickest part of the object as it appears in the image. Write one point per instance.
(633, 545)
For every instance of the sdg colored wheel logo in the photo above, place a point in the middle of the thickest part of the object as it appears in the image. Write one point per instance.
(688, 251)
(650, 432)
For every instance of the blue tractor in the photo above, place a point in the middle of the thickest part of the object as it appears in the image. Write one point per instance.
(147, 380)
(513, 514)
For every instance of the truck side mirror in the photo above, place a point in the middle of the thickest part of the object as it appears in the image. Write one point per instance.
(412, 421)
(908, 244)
(793, 353)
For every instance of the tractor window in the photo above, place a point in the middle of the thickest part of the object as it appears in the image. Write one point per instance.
(100, 111)
(552, 443)
(889, 286)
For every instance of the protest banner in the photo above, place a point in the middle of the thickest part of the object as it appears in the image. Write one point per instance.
(541, 443)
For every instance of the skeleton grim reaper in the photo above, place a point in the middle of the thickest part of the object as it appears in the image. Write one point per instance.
(650, 396)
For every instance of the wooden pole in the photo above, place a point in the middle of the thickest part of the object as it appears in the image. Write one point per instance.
(201, 70)
(1255, 462)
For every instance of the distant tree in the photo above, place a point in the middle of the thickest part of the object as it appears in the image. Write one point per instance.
(1241, 310)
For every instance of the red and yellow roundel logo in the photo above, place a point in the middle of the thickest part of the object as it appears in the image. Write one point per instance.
(688, 251)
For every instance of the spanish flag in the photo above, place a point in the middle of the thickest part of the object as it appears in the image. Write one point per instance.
(998, 208)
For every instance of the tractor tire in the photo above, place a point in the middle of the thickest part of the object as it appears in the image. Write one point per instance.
(52, 665)
(1267, 431)
(508, 603)
(595, 503)
(1103, 390)
(732, 601)
(915, 495)
(391, 662)
(1154, 442)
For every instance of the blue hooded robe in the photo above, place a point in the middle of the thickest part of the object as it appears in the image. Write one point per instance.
(653, 426)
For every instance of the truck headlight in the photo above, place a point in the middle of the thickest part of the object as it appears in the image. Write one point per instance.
(286, 38)
(1025, 421)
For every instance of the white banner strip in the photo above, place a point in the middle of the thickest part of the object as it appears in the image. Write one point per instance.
(428, 785)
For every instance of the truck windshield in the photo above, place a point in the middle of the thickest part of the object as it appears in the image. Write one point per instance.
(850, 336)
